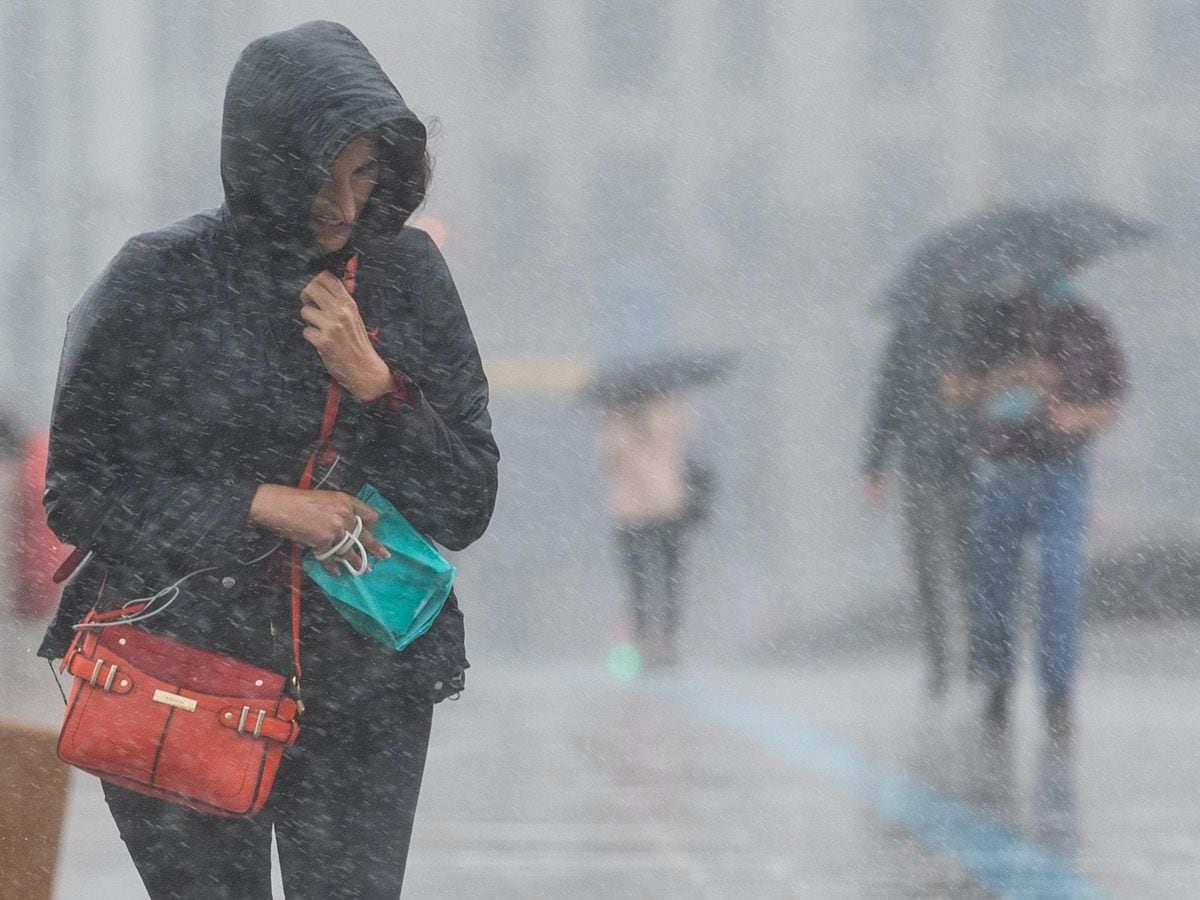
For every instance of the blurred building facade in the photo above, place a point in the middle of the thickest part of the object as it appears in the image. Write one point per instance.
(767, 161)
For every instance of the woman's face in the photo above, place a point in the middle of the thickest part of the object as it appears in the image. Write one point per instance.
(339, 203)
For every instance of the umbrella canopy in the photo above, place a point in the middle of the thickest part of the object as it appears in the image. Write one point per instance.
(632, 381)
(1003, 247)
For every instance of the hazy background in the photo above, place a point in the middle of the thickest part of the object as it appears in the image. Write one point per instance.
(631, 175)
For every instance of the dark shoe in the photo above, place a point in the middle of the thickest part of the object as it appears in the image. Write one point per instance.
(1060, 718)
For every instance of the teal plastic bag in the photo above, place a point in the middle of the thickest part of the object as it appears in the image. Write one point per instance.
(397, 601)
(1015, 406)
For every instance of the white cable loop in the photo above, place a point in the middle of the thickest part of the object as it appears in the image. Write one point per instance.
(349, 539)
(146, 613)
(362, 558)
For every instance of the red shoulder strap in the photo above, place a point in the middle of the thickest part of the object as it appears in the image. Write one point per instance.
(332, 400)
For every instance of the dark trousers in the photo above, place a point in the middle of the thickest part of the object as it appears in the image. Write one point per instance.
(937, 519)
(342, 809)
(651, 556)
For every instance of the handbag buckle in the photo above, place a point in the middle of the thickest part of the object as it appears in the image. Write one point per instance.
(258, 723)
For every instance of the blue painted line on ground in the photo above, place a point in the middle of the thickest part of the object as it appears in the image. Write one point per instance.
(993, 854)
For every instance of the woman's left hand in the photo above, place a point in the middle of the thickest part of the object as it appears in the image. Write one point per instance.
(335, 328)
(1081, 419)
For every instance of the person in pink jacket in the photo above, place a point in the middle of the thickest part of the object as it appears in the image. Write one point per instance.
(645, 454)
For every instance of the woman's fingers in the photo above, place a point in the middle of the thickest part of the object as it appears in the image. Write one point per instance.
(374, 546)
(356, 546)
(315, 322)
(370, 516)
(325, 521)
(365, 511)
(356, 562)
(325, 292)
(367, 544)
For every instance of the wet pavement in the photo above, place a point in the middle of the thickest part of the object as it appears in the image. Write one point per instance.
(832, 779)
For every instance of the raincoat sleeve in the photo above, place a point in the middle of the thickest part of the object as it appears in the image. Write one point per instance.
(433, 455)
(884, 425)
(108, 488)
(1094, 367)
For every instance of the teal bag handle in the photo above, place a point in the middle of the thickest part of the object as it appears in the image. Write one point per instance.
(398, 599)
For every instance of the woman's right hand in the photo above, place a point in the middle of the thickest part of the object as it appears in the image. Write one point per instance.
(317, 520)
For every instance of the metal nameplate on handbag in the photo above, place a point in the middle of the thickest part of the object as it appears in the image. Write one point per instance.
(176, 700)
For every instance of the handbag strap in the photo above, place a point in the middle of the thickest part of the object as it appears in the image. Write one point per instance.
(332, 400)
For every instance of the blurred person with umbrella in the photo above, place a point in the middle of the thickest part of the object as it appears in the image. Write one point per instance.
(991, 253)
(656, 492)
(1041, 374)
(910, 420)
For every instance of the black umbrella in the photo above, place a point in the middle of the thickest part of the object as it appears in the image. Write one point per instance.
(1004, 247)
(1087, 230)
(633, 381)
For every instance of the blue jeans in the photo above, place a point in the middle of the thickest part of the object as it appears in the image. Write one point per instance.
(1013, 499)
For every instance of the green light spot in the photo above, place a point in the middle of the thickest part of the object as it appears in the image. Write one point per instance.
(624, 662)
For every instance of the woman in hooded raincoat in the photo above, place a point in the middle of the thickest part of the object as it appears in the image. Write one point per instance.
(191, 392)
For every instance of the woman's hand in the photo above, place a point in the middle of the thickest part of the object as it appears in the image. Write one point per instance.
(875, 490)
(317, 520)
(334, 326)
(1082, 419)
(960, 390)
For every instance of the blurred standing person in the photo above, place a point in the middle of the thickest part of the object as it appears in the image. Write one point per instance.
(1042, 374)
(38, 552)
(10, 439)
(644, 444)
(910, 419)
(10, 513)
(188, 408)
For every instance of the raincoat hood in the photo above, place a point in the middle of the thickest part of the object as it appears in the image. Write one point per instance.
(294, 100)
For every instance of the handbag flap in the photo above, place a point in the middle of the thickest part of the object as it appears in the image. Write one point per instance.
(187, 667)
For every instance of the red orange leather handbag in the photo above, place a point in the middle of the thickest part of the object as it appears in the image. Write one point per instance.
(178, 723)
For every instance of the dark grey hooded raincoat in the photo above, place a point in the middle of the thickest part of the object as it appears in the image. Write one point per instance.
(185, 382)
